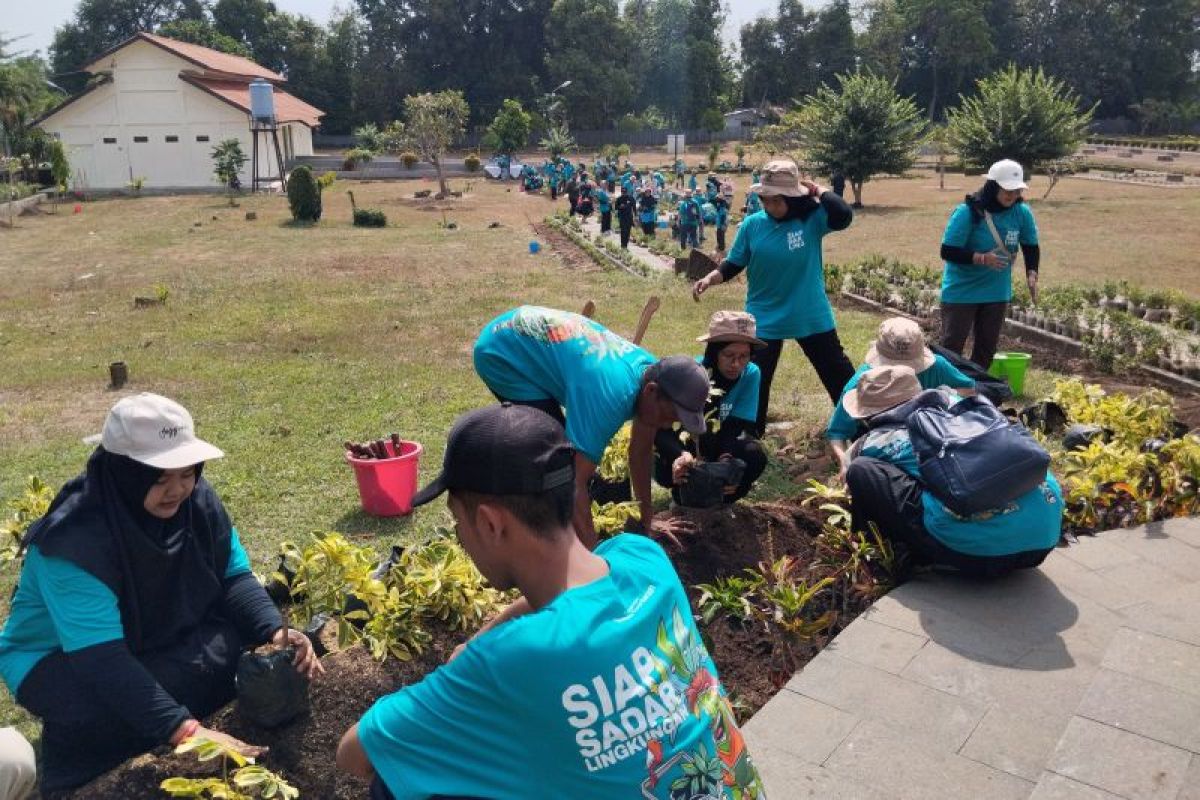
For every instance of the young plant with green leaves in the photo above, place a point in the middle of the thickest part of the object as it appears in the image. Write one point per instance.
(28, 507)
(228, 160)
(241, 778)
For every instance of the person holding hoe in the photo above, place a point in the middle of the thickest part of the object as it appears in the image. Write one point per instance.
(134, 601)
(595, 683)
(732, 407)
(558, 361)
(780, 250)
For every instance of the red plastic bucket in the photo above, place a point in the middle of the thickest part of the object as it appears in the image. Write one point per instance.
(387, 485)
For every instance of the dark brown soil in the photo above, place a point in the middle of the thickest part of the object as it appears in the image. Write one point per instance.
(565, 248)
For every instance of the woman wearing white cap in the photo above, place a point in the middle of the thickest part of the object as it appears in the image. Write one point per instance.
(886, 491)
(780, 250)
(979, 247)
(900, 343)
(135, 600)
(729, 343)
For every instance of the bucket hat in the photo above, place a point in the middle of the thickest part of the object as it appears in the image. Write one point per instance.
(154, 430)
(900, 342)
(732, 326)
(779, 178)
(880, 389)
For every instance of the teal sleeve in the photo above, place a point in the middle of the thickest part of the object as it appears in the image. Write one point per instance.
(435, 737)
(841, 424)
(82, 608)
(958, 229)
(943, 373)
(1029, 229)
(746, 403)
(740, 253)
(239, 562)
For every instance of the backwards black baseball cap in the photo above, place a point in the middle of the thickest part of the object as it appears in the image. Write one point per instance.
(685, 383)
(501, 450)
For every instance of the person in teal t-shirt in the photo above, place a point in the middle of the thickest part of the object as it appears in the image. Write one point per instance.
(604, 206)
(558, 361)
(780, 249)
(688, 212)
(732, 409)
(887, 493)
(595, 683)
(977, 281)
(900, 341)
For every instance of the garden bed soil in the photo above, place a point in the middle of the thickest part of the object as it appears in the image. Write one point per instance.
(726, 541)
(562, 245)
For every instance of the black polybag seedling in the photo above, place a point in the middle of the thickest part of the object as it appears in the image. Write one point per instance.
(270, 690)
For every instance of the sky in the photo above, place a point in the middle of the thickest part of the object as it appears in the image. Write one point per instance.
(37, 20)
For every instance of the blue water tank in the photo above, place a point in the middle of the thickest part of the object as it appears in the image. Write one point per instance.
(262, 101)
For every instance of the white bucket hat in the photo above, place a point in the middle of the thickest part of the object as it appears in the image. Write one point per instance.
(155, 431)
(901, 342)
(1009, 174)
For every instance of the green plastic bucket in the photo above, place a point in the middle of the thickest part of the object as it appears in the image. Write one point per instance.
(1011, 367)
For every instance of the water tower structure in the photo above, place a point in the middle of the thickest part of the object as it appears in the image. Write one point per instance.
(263, 124)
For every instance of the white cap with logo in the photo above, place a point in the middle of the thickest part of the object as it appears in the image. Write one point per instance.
(1009, 174)
(155, 431)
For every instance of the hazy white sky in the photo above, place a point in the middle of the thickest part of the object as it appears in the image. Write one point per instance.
(37, 19)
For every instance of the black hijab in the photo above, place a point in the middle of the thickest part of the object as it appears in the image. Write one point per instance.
(719, 381)
(167, 574)
(987, 199)
(799, 208)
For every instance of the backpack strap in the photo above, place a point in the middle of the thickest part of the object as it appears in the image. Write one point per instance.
(987, 217)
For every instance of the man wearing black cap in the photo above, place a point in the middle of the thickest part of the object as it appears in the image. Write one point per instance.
(558, 361)
(594, 684)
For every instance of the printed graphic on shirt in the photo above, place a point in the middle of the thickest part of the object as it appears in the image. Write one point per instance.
(1012, 239)
(548, 326)
(647, 703)
(795, 240)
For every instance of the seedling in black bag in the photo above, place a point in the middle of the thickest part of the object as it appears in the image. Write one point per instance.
(270, 690)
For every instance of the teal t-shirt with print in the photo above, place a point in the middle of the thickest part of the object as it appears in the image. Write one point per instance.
(980, 284)
(60, 606)
(741, 401)
(535, 353)
(607, 691)
(603, 201)
(785, 273)
(940, 373)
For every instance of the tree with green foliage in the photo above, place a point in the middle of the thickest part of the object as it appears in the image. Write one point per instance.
(202, 32)
(862, 128)
(1022, 114)
(60, 165)
(25, 95)
(432, 123)
(304, 195)
(558, 141)
(589, 44)
(510, 128)
(228, 160)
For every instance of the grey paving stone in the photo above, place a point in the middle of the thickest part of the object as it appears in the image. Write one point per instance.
(886, 757)
(1077, 580)
(1163, 551)
(1120, 762)
(1185, 530)
(1165, 661)
(1144, 708)
(1017, 740)
(1171, 621)
(799, 726)
(1191, 782)
(1096, 552)
(1056, 787)
(946, 721)
(786, 777)
(876, 645)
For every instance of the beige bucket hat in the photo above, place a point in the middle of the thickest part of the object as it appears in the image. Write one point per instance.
(732, 326)
(900, 342)
(779, 178)
(881, 389)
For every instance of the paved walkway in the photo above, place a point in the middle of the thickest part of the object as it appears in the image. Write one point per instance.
(1078, 681)
(591, 226)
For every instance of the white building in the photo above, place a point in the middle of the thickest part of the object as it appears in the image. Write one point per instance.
(158, 108)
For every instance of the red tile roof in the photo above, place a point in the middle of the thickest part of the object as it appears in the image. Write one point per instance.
(204, 57)
(288, 108)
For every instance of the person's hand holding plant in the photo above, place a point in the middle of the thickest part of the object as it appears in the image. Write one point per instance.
(306, 661)
(681, 467)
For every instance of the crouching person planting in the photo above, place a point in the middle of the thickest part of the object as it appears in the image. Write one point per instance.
(134, 601)
(594, 684)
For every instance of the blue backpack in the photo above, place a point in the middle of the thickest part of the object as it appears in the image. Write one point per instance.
(972, 457)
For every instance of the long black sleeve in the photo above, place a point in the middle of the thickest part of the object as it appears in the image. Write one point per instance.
(729, 270)
(668, 446)
(1033, 256)
(111, 673)
(251, 609)
(731, 429)
(837, 211)
(957, 255)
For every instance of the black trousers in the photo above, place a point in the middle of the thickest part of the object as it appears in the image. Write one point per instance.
(984, 320)
(626, 229)
(553, 190)
(81, 736)
(720, 238)
(883, 494)
(823, 350)
(668, 447)
(648, 228)
(605, 221)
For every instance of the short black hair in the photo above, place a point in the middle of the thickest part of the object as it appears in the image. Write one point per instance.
(545, 512)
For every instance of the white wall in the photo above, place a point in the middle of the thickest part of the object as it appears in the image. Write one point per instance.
(146, 103)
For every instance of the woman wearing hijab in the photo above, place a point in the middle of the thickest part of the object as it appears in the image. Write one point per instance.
(134, 602)
(733, 405)
(979, 248)
(780, 250)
